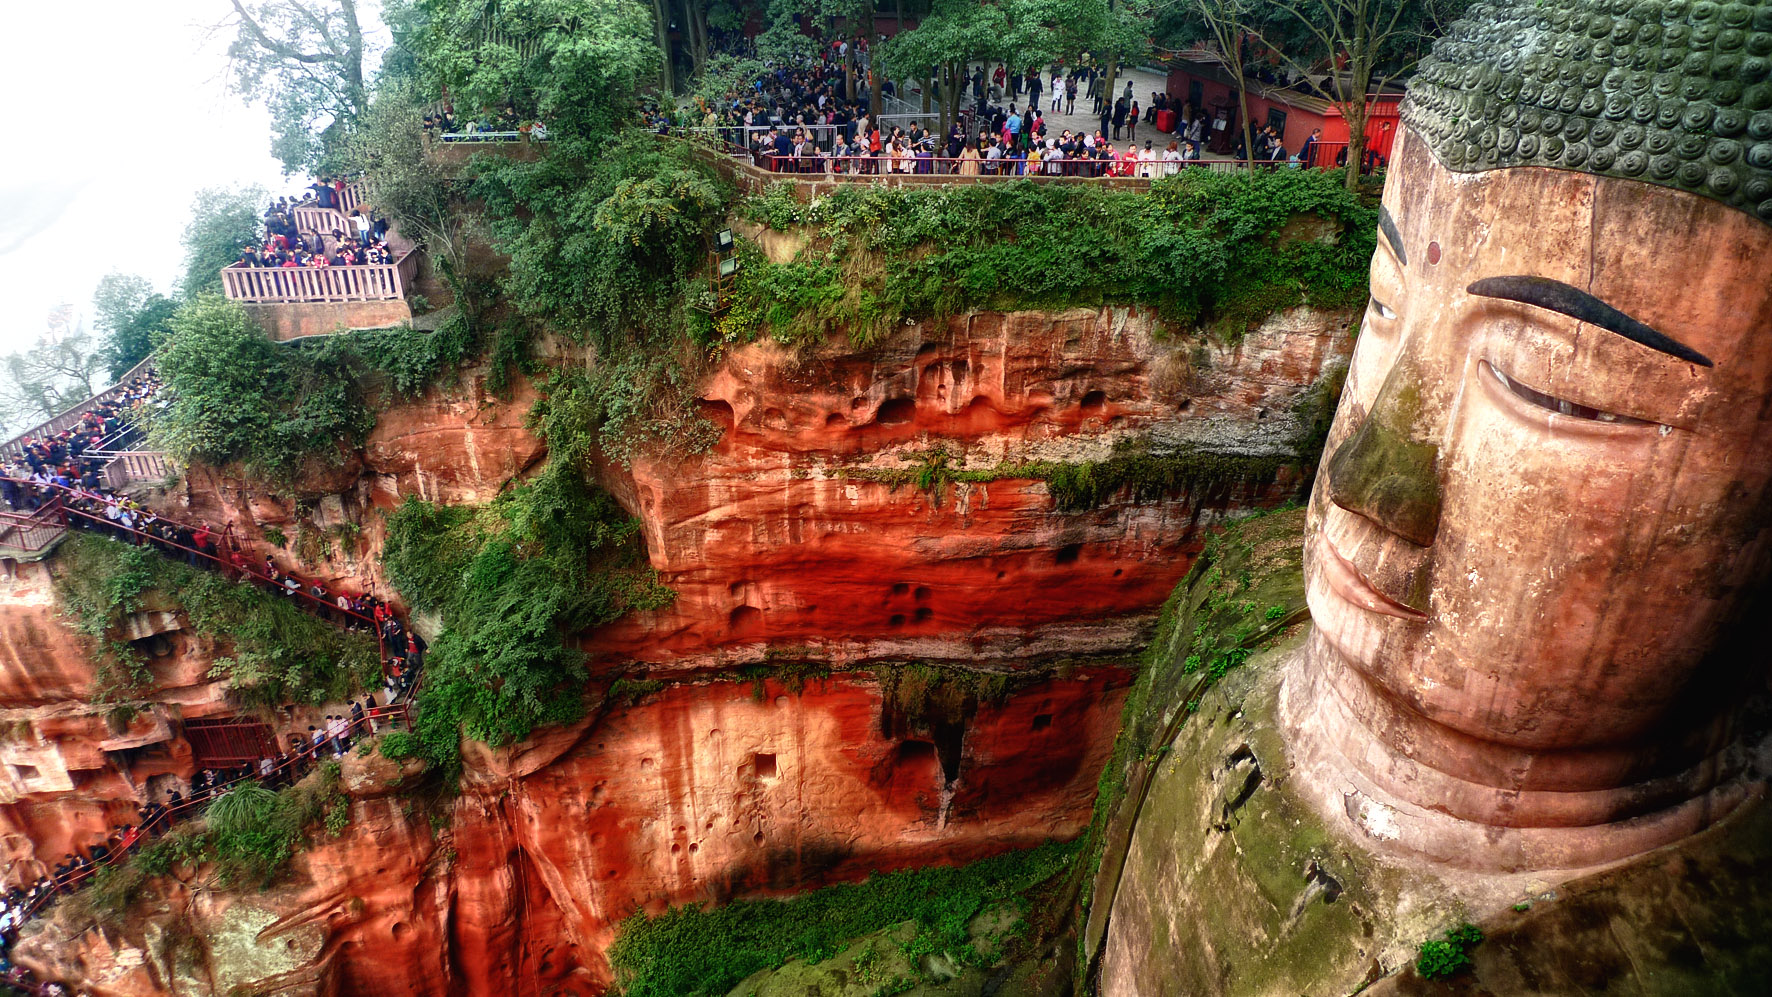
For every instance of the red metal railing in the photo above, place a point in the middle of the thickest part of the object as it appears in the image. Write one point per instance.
(326, 609)
(391, 717)
(32, 531)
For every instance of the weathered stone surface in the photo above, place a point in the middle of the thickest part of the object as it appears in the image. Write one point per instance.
(1538, 551)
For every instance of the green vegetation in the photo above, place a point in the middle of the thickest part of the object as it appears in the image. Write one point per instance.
(1201, 247)
(250, 833)
(279, 653)
(514, 581)
(237, 396)
(1139, 475)
(1440, 958)
(1212, 623)
(694, 950)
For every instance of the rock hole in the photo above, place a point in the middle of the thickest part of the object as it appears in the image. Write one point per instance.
(922, 593)
(693, 848)
(1119, 571)
(927, 349)
(645, 763)
(949, 738)
(896, 620)
(676, 848)
(901, 588)
(400, 930)
(774, 418)
(763, 765)
(922, 613)
(896, 411)
(1261, 413)
(736, 588)
(1042, 721)
(858, 403)
(959, 367)
(1182, 405)
(717, 412)
(910, 751)
(758, 837)
(1094, 402)
(745, 619)
(1001, 574)
(1068, 553)
(835, 419)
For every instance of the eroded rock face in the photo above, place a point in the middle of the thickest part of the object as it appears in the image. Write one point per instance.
(782, 539)
(700, 792)
(784, 533)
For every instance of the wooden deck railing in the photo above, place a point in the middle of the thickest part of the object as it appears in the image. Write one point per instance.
(15, 447)
(290, 285)
(126, 466)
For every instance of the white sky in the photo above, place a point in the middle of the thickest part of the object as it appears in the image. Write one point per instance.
(125, 117)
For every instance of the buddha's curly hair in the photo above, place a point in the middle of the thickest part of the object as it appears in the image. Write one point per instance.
(1669, 92)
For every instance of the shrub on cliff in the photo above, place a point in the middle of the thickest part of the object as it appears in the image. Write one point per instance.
(274, 653)
(1224, 249)
(233, 395)
(515, 582)
(697, 949)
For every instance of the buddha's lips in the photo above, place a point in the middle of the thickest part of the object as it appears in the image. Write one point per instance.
(1347, 582)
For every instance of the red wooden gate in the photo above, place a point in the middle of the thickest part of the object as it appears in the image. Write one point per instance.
(223, 742)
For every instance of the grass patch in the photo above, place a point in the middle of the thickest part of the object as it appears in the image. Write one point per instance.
(697, 950)
(278, 653)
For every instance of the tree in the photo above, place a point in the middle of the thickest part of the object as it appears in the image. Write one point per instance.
(133, 317)
(1361, 45)
(231, 388)
(577, 64)
(63, 368)
(1229, 24)
(955, 34)
(223, 220)
(402, 181)
(303, 60)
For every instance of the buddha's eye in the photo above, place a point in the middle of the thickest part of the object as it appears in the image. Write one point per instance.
(1384, 311)
(1562, 406)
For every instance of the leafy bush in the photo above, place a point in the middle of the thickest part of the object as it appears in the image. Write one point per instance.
(235, 395)
(515, 581)
(278, 653)
(398, 745)
(692, 949)
(1440, 958)
(1200, 246)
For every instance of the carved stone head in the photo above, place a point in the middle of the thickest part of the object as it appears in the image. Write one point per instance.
(1542, 514)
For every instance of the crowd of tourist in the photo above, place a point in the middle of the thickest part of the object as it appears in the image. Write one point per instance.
(80, 451)
(502, 125)
(55, 474)
(358, 236)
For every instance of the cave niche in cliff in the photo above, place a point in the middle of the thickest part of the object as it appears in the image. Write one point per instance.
(896, 411)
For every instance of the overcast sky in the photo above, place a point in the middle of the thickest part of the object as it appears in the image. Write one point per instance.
(123, 117)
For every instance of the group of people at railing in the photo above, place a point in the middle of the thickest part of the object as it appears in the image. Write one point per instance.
(23, 901)
(1009, 153)
(502, 125)
(77, 453)
(200, 545)
(358, 238)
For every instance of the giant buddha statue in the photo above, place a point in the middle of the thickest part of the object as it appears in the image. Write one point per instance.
(1540, 545)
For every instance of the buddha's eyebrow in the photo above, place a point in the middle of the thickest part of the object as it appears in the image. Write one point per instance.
(1388, 226)
(1578, 304)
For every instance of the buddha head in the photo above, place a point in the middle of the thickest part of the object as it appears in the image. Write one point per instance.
(1541, 524)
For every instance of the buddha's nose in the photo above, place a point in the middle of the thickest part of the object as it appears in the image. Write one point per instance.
(1385, 471)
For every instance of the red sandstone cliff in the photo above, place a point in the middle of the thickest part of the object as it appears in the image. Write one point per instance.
(777, 539)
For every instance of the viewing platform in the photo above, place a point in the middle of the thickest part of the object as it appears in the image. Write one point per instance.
(123, 464)
(296, 302)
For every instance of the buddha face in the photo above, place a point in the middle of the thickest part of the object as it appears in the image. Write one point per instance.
(1544, 499)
